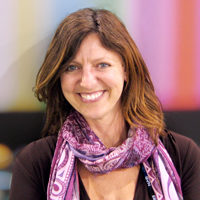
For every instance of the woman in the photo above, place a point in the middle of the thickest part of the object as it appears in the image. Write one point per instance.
(105, 124)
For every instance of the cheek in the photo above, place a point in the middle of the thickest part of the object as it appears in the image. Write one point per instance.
(66, 83)
(66, 88)
(116, 80)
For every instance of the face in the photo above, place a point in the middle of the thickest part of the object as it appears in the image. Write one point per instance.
(93, 81)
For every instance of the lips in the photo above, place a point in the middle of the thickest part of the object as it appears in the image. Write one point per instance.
(94, 96)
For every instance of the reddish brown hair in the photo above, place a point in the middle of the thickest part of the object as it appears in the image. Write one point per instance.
(139, 103)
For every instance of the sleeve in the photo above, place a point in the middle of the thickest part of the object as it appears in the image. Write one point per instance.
(31, 171)
(190, 157)
(186, 157)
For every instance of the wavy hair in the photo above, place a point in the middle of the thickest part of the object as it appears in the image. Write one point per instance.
(140, 105)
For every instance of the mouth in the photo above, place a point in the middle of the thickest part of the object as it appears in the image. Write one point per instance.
(91, 97)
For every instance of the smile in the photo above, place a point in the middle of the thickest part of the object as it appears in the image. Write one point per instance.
(91, 96)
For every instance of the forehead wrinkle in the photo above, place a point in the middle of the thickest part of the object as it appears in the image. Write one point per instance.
(88, 47)
(88, 54)
(89, 58)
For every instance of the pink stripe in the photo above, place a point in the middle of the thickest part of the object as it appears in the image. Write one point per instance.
(154, 33)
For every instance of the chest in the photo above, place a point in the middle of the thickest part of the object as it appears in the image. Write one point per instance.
(116, 185)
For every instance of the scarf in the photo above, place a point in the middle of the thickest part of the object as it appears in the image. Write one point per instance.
(76, 140)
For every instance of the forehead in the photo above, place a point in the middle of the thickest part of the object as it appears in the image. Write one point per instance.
(92, 48)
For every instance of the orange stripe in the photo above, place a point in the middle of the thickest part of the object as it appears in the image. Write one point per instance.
(186, 56)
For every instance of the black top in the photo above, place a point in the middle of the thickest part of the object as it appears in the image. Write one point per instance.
(32, 167)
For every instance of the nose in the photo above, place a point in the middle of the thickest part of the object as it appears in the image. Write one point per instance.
(88, 78)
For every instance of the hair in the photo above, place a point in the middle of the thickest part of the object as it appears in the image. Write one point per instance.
(140, 105)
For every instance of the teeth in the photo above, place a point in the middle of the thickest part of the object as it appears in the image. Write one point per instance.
(91, 96)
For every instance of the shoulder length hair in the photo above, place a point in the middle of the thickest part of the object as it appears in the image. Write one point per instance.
(140, 105)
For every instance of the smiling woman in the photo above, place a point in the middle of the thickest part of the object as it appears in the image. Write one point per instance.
(104, 131)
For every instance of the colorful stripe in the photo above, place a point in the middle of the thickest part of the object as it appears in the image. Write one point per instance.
(166, 32)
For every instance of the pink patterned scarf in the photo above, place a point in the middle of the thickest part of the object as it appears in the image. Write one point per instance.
(77, 141)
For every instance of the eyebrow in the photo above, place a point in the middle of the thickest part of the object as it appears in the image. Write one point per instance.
(74, 62)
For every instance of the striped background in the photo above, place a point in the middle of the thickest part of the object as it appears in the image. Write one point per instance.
(166, 32)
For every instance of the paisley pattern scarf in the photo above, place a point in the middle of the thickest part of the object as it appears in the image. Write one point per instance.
(77, 141)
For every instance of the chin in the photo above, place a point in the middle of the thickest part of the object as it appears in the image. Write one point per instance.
(93, 115)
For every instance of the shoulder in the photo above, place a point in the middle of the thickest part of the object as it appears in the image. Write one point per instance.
(38, 153)
(38, 150)
(180, 145)
(31, 169)
(181, 149)
(34, 160)
(185, 154)
(43, 145)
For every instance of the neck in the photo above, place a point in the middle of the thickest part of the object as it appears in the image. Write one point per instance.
(111, 131)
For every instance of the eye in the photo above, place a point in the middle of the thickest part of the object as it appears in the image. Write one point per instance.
(103, 65)
(71, 68)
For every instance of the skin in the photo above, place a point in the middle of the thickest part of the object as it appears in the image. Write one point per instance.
(117, 185)
(92, 83)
